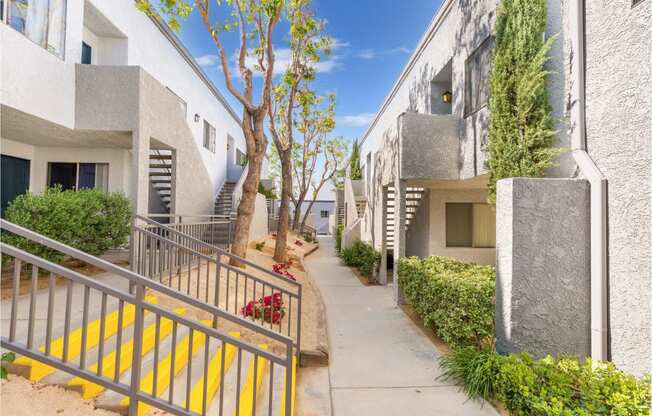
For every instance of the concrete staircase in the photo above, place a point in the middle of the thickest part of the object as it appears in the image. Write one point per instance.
(160, 174)
(224, 201)
(182, 364)
(413, 198)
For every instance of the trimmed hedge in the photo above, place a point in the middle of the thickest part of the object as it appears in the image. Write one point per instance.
(89, 220)
(363, 256)
(456, 298)
(338, 238)
(563, 387)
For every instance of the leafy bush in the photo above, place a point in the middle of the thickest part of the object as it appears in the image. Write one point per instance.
(338, 238)
(521, 127)
(260, 245)
(308, 237)
(547, 386)
(354, 162)
(89, 220)
(267, 193)
(456, 298)
(363, 256)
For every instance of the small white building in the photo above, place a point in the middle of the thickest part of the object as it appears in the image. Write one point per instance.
(95, 93)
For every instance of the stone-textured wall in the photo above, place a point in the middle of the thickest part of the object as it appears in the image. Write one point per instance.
(619, 140)
(259, 222)
(543, 266)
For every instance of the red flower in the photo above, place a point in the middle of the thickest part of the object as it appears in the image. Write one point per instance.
(268, 309)
(298, 243)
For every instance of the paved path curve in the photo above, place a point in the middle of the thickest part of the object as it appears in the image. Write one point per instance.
(380, 361)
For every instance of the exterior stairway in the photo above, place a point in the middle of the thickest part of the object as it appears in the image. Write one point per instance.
(112, 342)
(160, 174)
(413, 198)
(224, 202)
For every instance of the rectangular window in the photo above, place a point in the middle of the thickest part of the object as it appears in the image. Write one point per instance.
(209, 136)
(41, 21)
(79, 175)
(470, 225)
(87, 54)
(324, 213)
(240, 158)
(476, 84)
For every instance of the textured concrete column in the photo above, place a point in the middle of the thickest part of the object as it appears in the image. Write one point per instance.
(140, 171)
(400, 189)
(543, 266)
(382, 275)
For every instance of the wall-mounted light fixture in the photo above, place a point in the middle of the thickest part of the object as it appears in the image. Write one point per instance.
(447, 97)
(196, 118)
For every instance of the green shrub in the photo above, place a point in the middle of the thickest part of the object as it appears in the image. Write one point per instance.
(547, 386)
(363, 256)
(89, 220)
(521, 127)
(307, 237)
(456, 298)
(267, 193)
(260, 246)
(354, 162)
(338, 238)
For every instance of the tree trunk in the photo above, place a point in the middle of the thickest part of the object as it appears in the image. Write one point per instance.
(252, 127)
(305, 217)
(280, 250)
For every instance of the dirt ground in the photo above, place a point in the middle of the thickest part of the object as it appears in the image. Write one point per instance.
(19, 397)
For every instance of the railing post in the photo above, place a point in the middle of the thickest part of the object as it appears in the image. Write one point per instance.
(289, 375)
(134, 387)
(299, 300)
(133, 257)
(218, 271)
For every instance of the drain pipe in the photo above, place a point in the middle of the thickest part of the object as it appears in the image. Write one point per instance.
(588, 168)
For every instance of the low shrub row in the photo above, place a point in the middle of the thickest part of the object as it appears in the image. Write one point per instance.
(89, 220)
(363, 256)
(550, 387)
(455, 298)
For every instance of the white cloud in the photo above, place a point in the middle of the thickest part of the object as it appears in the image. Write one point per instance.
(338, 44)
(400, 49)
(356, 120)
(208, 60)
(367, 54)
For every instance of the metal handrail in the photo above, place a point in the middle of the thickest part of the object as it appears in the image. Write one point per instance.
(219, 250)
(136, 297)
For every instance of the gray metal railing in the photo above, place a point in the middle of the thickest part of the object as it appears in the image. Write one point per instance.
(272, 225)
(163, 252)
(68, 349)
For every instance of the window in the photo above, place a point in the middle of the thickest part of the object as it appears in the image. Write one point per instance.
(209, 136)
(87, 54)
(324, 213)
(476, 84)
(79, 175)
(636, 2)
(41, 21)
(470, 225)
(240, 158)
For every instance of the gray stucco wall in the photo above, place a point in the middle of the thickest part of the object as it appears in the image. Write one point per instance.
(543, 266)
(619, 140)
(417, 235)
(126, 98)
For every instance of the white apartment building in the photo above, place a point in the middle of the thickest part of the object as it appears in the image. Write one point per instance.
(95, 93)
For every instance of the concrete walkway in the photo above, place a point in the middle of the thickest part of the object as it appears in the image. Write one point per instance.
(380, 361)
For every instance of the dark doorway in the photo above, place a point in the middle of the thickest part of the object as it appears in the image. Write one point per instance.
(87, 54)
(64, 174)
(15, 179)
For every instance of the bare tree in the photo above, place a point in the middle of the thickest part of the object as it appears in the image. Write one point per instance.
(255, 21)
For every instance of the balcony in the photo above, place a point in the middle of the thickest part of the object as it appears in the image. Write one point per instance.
(429, 147)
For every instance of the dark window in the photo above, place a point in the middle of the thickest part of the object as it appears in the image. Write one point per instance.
(470, 225)
(64, 174)
(87, 54)
(209, 136)
(477, 71)
(240, 158)
(324, 213)
(15, 179)
(636, 2)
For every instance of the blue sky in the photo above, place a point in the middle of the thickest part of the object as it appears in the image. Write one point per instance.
(372, 42)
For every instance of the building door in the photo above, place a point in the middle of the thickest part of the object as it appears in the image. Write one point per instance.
(15, 179)
(64, 174)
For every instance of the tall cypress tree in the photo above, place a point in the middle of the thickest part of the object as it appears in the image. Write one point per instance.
(521, 127)
(354, 162)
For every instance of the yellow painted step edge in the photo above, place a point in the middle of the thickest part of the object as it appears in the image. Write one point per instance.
(163, 378)
(91, 390)
(38, 370)
(245, 403)
(294, 382)
(213, 376)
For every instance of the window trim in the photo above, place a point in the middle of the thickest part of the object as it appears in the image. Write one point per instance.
(212, 138)
(467, 112)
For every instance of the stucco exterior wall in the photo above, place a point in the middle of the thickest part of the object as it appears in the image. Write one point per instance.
(259, 222)
(543, 287)
(619, 140)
